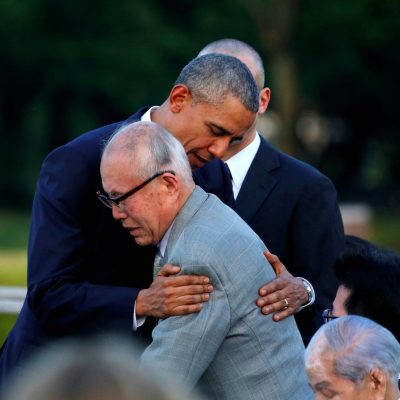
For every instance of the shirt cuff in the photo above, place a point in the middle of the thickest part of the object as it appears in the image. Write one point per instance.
(310, 292)
(137, 322)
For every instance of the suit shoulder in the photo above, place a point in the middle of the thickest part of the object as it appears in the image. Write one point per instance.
(215, 225)
(297, 169)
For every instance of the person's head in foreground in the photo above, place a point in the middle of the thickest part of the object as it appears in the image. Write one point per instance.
(147, 190)
(353, 358)
(103, 369)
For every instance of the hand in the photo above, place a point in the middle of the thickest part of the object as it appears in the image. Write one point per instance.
(284, 287)
(171, 295)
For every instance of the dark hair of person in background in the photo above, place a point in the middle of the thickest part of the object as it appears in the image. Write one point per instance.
(372, 274)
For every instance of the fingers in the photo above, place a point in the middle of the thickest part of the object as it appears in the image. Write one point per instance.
(182, 280)
(276, 264)
(273, 302)
(271, 287)
(282, 296)
(281, 315)
(187, 309)
(168, 270)
(171, 295)
(186, 290)
(281, 308)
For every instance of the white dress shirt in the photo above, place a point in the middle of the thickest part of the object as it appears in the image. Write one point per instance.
(239, 164)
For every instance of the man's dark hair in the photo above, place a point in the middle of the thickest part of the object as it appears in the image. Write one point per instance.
(372, 274)
(213, 77)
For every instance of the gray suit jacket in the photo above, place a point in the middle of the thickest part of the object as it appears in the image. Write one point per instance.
(229, 350)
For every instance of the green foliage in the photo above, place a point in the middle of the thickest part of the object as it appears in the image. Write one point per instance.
(385, 230)
(68, 67)
(14, 230)
(7, 321)
(348, 63)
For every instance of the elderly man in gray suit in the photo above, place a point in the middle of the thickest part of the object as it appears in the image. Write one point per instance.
(228, 350)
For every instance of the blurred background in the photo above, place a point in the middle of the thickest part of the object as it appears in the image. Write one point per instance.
(67, 67)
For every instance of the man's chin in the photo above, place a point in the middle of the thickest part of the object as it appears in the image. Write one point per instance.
(139, 239)
(142, 241)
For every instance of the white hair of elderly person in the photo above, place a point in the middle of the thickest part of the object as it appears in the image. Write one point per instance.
(104, 368)
(353, 358)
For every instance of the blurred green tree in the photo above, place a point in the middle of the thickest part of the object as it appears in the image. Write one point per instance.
(67, 67)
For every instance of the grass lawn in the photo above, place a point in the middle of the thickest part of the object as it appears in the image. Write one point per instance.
(14, 228)
(12, 273)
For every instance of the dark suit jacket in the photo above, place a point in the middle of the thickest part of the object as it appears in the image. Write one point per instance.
(84, 269)
(293, 208)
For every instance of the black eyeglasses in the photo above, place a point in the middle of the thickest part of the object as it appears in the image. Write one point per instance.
(328, 316)
(110, 201)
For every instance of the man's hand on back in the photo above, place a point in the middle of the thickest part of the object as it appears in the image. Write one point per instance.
(171, 295)
(282, 296)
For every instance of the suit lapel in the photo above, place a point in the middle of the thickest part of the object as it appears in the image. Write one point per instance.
(192, 205)
(258, 182)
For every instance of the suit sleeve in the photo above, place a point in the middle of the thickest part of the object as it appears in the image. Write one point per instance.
(59, 293)
(185, 346)
(316, 241)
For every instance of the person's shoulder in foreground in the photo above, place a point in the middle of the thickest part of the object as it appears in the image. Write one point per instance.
(103, 368)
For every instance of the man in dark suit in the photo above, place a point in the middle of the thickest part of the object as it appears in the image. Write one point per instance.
(85, 273)
(288, 203)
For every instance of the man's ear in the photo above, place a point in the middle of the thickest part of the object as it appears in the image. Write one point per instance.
(265, 96)
(170, 183)
(179, 97)
(378, 382)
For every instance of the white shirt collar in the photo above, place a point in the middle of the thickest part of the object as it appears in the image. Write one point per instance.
(239, 164)
(147, 115)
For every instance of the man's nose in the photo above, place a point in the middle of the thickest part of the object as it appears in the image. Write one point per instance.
(219, 147)
(117, 212)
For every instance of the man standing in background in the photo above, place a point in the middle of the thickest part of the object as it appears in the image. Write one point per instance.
(288, 203)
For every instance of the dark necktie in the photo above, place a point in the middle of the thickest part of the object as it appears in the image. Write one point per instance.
(157, 263)
(228, 170)
(215, 178)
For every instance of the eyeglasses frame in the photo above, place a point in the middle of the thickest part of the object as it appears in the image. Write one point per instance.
(109, 201)
(328, 316)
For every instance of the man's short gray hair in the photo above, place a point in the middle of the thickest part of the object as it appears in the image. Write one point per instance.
(212, 77)
(234, 47)
(151, 148)
(357, 345)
